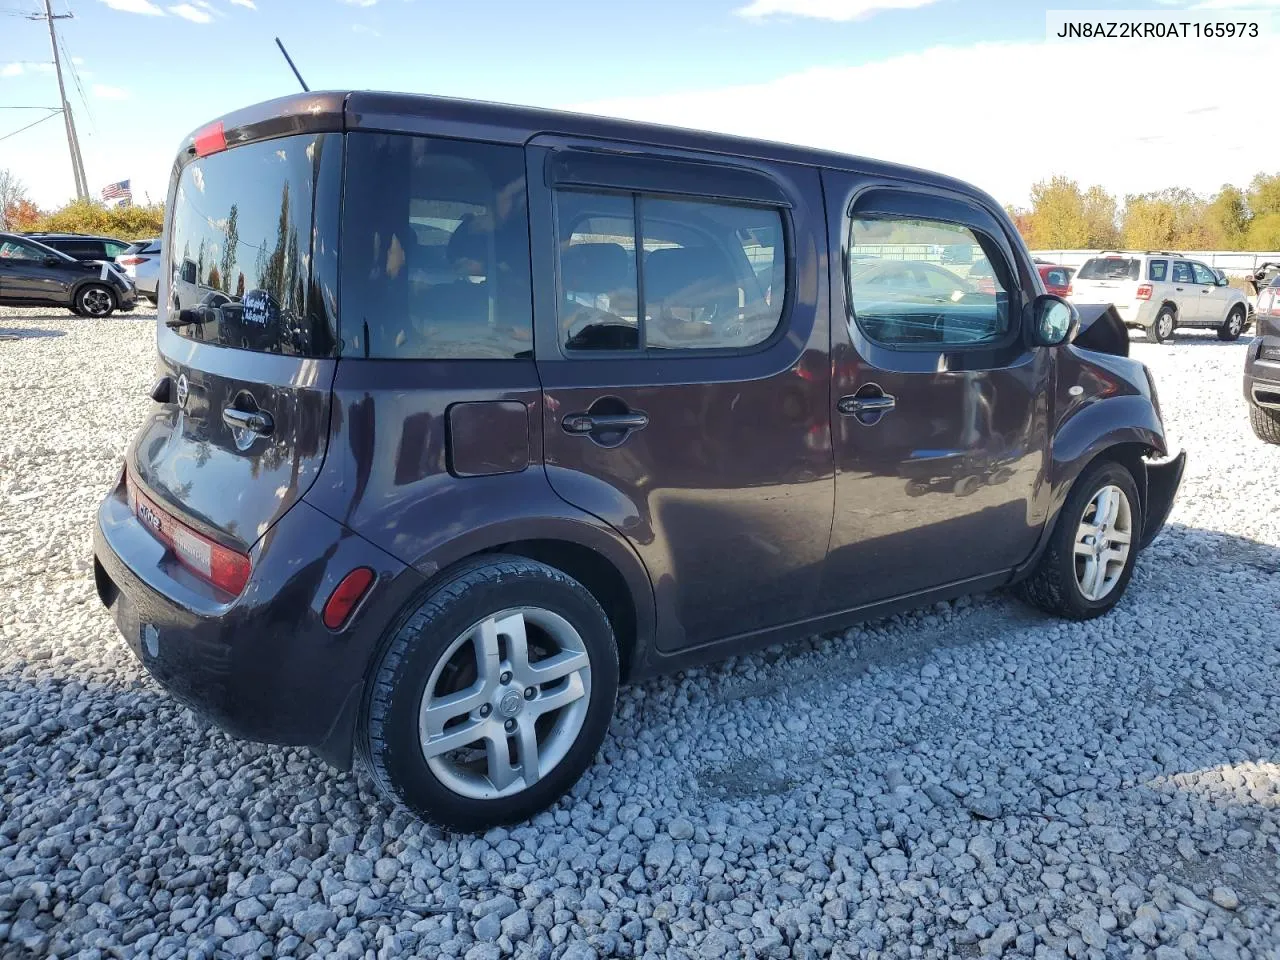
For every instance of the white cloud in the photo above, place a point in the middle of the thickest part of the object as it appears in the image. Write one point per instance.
(840, 10)
(360, 3)
(135, 6)
(244, 3)
(106, 92)
(11, 70)
(1002, 117)
(188, 12)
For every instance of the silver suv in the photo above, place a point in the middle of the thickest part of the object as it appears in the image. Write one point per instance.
(1160, 291)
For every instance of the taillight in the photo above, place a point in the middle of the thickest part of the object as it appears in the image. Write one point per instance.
(130, 261)
(211, 139)
(1070, 290)
(221, 566)
(345, 596)
(1144, 291)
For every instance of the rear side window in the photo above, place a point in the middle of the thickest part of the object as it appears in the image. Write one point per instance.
(1110, 268)
(435, 250)
(243, 241)
(1058, 278)
(114, 249)
(1158, 271)
(902, 296)
(644, 272)
(84, 249)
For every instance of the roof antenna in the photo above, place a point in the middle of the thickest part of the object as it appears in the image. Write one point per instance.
(292, 67)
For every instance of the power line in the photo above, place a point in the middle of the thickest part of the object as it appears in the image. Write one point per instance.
(75, 76)
(32, 124)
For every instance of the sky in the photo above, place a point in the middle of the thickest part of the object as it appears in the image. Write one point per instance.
(969, 88)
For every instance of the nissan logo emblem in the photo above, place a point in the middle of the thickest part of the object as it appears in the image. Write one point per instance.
(183, 391)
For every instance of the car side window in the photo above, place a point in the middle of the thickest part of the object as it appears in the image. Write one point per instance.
(644, 272)
(1182, 272)
(902, 296)
(1158, 271)
(13, 250)
(115, 249)
(1203, 274)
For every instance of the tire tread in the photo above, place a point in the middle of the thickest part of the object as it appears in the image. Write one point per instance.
(1265, 423)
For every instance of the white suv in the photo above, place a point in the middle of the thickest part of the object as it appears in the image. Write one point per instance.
(1159, 290)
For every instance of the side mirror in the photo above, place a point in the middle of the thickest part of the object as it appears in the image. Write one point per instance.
(1223, 282)
(1052, 321)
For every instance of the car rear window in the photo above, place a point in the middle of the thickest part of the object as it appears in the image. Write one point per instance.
(435, 250)
(1110, 268)
(253, 238)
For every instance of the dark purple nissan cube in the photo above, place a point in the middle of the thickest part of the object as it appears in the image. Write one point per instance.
(467, 413)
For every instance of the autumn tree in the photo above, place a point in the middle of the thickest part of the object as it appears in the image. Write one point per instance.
(13, 193)
(1226, 218)
(1065, 217)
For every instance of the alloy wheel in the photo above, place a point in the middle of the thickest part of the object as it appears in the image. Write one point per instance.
(1103, 541)
(505, 703)
(96, 302)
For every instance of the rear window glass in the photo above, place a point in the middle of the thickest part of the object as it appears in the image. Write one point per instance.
(241, 245)
(435, 250)
(1110, 268)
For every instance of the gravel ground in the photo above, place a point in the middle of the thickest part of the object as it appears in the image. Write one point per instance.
(971, 779)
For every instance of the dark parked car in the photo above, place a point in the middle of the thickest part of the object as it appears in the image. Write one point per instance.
(34, 275)
(1262, 366)
(82, 246)
(580, 401)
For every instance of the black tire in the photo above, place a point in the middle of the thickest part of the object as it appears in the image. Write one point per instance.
(1234, 325)
(1053, 586)
(1265, 423)
(1166, 322)
(387, 738)
(90, 303)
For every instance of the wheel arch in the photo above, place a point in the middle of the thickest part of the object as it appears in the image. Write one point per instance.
(94, 281)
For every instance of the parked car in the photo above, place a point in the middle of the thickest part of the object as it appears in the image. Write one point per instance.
(1262, 366)
(82, 246)
(141, 264)
(476, 487)
(35, 275)
(1159, 291)
(1056, 278)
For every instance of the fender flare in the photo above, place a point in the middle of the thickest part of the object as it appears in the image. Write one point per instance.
(1128, 426)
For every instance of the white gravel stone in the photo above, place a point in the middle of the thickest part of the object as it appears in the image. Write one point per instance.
(973, 777)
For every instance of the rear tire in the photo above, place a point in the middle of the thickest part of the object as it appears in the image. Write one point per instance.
(95, 300)
(1233, 326)
(455, 710)
(1066, 568)
(1166, 322)
(1265, 423)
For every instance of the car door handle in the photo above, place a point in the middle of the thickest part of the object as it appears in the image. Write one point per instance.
(1179, 289)
(581, 424)
(854, 406)
(255, 421)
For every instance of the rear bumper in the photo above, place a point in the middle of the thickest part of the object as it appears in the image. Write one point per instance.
(262, 665)
(1164, 477)
(1262, 374)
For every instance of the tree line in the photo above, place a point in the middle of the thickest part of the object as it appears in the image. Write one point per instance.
(19, 214)
(1063, 216)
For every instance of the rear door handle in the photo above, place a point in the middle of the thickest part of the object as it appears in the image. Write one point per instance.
(853, 406)
(581, 424)
(255, 421)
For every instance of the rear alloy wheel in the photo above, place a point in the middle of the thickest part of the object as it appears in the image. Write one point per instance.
(1265, 423)
(1087, 565)
(1162, 329)
(1233, 326)
(95, 300)
(493, 697)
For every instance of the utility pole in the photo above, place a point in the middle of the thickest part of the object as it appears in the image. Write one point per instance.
(73, 143)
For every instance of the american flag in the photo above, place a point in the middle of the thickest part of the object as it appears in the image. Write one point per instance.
(117, 191)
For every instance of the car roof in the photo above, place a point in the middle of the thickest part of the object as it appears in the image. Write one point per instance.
(506, 123)
(48, 235)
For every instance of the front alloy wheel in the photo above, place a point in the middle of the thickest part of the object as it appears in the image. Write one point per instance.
(1103, 540)
(492, 697)
(95, 301)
